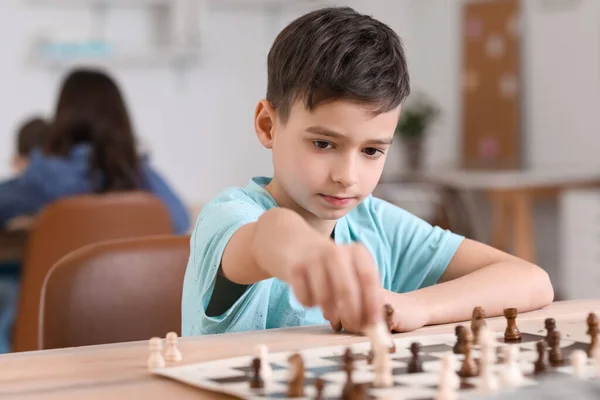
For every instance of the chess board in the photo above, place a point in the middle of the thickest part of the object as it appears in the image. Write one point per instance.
(232, 375)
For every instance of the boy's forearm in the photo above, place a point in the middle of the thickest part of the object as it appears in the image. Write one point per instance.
(280, 237)
(495, 287)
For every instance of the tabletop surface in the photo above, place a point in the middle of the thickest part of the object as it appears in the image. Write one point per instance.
(118, 371)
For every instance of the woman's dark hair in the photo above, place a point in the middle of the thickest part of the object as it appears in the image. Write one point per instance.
(91, 110)
(31, 135)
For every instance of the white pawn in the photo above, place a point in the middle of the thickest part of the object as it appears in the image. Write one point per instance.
(172, 354)
(449, 381)
(265, 367)
(488, 383)
(578, 361)
(511, 375)
(156, 360)
(382, 365)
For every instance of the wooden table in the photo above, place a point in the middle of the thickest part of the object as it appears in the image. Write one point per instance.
(512, 194)
(118, 371)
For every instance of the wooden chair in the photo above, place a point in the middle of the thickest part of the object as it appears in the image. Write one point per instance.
(114, 291)
(69, 224)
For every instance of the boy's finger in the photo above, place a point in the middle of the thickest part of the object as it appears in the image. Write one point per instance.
(300, 285)
(370, 293)
(340, 269)
(333, 318)
(318, 282)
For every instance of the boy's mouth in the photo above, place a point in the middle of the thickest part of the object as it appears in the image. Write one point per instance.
(337, 201)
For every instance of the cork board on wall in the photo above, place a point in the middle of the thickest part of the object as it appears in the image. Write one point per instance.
(491, 83)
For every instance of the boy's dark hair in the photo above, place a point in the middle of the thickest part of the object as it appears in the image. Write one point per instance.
(336, 53)
(30, 135)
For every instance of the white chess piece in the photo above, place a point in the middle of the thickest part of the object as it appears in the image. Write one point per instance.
(449, 381)
(380, 344)
(578, 361)
(172, 354)
(266, 372)
(488, 383)
(511, 375)
(597, 362)
(156, 360)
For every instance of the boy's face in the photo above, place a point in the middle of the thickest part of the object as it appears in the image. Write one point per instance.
(328, 160)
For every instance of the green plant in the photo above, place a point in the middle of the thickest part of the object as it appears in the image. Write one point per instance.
(416, 116)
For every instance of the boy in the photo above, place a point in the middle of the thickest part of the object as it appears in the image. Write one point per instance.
(29, 137)
(311, 244)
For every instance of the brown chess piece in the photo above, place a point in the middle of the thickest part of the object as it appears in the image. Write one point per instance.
(388, 313)
(477, 321)
(348, 360)
(592, 322)
(459, 331)
(370, 357)
(359, 391)
(468, 368)
(319, 387)
(415, 365)
(555, 356)
(550, 325)
(541, 364)
(511, 334)
(296, 383)
(256, 381)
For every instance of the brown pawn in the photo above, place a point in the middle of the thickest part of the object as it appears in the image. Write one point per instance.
(592, 322)
(415, 365)
(478, 314)
(550, 325)
(468, 368)
(296, 384)
(476, 326)
(541, 364)
(319, 387)
(556, 356)
(370, 357)
(348, 360)
(359, 391)
(459, 331)
(511, 334)
(388, 313)
(256, 381)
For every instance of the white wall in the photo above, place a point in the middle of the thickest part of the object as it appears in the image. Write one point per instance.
(199, 125)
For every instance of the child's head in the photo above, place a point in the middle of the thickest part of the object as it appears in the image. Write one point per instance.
(336, 80)
(91, 110)
(30, 136)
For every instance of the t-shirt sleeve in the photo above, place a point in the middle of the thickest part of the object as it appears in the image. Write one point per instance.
(419, 251)
(217, 223)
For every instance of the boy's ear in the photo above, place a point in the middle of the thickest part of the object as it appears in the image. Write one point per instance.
(264, 123)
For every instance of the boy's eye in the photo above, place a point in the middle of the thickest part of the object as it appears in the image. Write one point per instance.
(372, 152)
(321, 144)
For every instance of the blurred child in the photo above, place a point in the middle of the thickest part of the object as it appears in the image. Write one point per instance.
(311, 244)
(90, 148)
(30, 136)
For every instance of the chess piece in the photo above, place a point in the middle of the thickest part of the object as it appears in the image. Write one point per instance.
(296, 381)
(156, 359)
(348, 361)
(511, 334)
(370, 357)
(265, 367)
(541, 364)
(415, 365)
(256, 381)
(172, 353)
(382, 366)
(477, 321)
(389, 320)
(511, 375)
(319, 387)
(359, 392)
(468, 368)
(550, 325)
(592, 322)
(578, 362)
(449, 382)
(459, 331)
(487, 344)
(488, 383)
(556, 356)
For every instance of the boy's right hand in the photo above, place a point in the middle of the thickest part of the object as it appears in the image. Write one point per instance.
(341, 279)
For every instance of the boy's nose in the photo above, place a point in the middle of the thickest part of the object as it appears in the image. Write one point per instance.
(345, 173)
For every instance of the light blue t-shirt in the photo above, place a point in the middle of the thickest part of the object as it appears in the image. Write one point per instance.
(409, 252)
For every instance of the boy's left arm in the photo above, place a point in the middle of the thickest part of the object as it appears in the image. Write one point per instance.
(477, 275)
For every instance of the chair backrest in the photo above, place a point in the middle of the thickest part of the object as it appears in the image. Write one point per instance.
(115, 291)
(69, 224)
